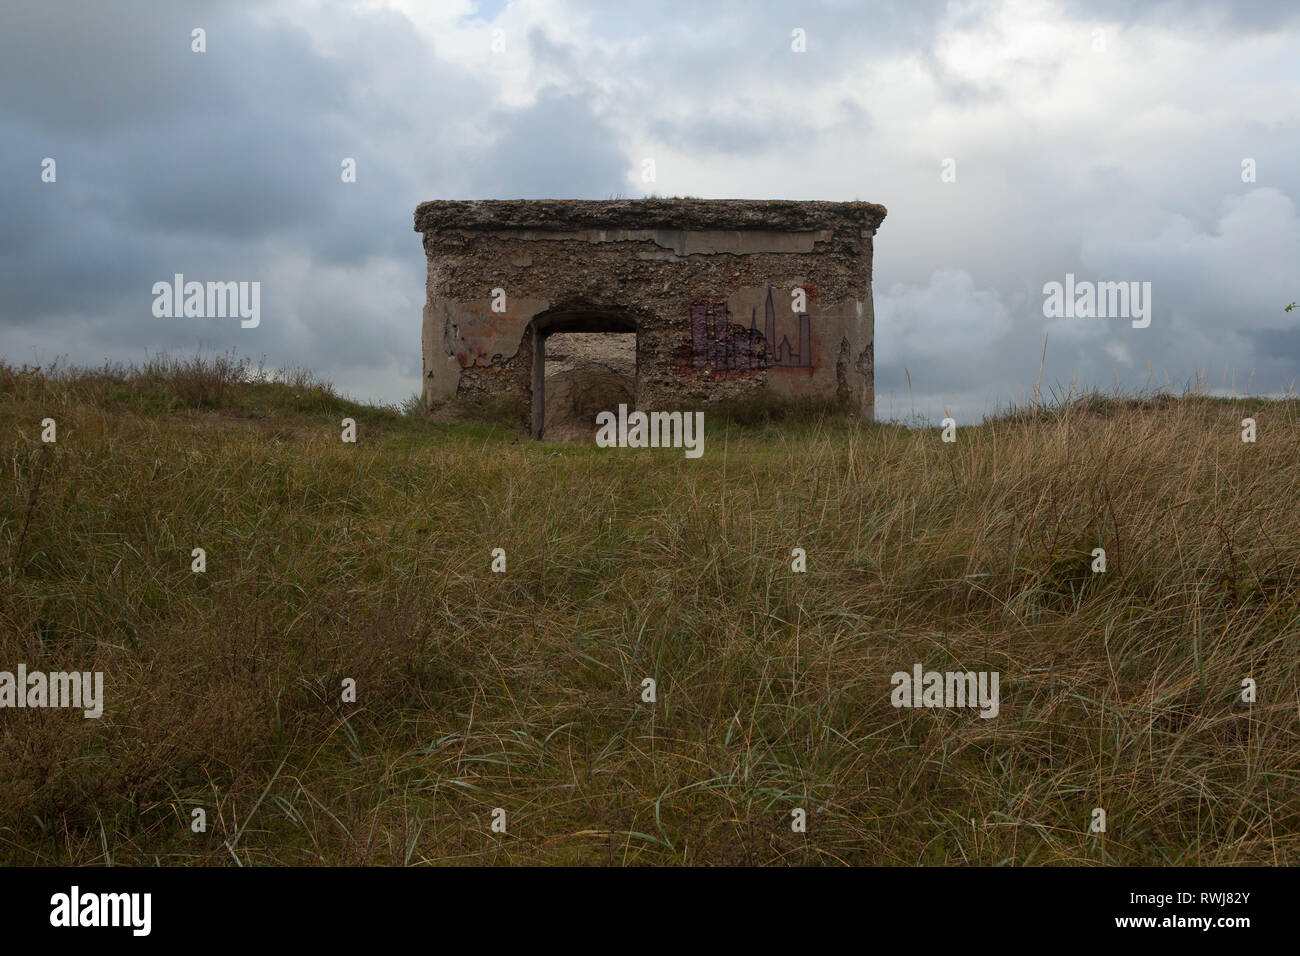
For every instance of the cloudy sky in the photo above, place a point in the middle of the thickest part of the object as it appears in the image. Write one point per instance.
(1104, 138)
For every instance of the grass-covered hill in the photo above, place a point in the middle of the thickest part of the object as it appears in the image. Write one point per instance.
(329, 562)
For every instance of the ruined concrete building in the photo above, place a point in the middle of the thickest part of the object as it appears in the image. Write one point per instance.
(726, 299)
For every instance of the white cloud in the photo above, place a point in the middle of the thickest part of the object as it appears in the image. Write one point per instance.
(1236, 277)
(1119, 352)
(947, 316)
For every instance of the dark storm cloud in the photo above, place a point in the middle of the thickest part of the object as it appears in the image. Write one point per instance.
(166, 159)
(226, 165)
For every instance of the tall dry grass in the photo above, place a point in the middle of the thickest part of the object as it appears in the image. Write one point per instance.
(522, 690)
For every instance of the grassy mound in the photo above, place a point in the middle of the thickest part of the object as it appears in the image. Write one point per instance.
(475, 690)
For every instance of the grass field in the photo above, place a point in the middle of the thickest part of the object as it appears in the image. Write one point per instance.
(477, 690)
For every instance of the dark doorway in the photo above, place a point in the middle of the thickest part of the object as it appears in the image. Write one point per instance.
(584, 363)
(586, 373)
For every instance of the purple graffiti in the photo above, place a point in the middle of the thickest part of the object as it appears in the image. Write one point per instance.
(725, 346)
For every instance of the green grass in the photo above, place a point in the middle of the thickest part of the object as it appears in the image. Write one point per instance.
(522, 690)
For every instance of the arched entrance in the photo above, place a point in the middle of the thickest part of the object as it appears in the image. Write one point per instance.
(595, 369)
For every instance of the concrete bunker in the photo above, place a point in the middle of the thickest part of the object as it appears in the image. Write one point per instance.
(726, 299)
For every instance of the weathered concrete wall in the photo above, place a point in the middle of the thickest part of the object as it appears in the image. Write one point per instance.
(705, 284)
